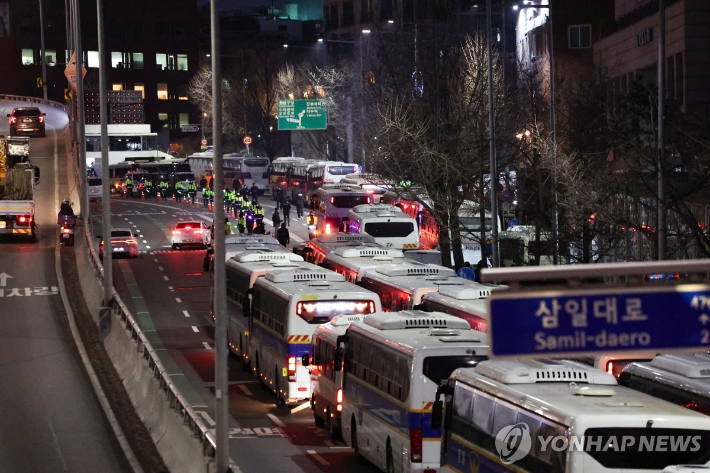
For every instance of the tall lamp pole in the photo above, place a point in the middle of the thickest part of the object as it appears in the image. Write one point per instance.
(661, 129)
(492, 141)
(43, 51)
(245, 111)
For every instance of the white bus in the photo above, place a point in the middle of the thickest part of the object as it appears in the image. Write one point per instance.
(255, 172)
(286, 307)
(402, 286)
(681, 379)
(280, 171)
(326, 380)
(317, 248)
(126, 142)
(466, 302)
(371, 183)
(336, 171)
(242, 271)
(394, 364)
(354, 262)
(387, 224)
(333, 202)
(234, 244)
(582, 416)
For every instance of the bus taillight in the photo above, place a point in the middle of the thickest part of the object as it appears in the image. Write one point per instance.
(339, 400)
(292, 368)
(415, 445)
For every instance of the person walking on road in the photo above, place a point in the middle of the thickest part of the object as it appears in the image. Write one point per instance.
(276, 220)
(287, 213)
(299, 206)
(227, 227)
(283, 236)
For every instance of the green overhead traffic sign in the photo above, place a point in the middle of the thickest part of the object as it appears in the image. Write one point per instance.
(302, 114)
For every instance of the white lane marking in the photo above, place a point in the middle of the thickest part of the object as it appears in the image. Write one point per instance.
(318, 458)
(246, 391)
(301, 407)
(155, 259)
(160, 268)
(178, 300)
(145, 241)
(130, 223)
(276, 420)
(135, 226)
(206, 345)
(140, 236)
(195, 329)
(186, 313)
(171, 288)
(147, 247)
(165, 277)
(125, 218)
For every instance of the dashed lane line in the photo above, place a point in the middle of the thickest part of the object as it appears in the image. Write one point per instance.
(178, 300)
(185, 313)
(276, 420)
(317, 457)
(195, 329)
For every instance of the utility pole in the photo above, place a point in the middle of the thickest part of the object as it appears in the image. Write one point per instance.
(81, 120)
(220, 278)
(553, 128)
(492, 143)
(246, 133)
(661, 231)
(43, 52)
(105, 189)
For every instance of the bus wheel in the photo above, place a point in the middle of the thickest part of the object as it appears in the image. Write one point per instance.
(390, 462)
(332, 427)
(353, 437)
(320, 423)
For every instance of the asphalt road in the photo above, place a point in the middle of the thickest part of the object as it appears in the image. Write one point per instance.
(50, 419)
(169, 292)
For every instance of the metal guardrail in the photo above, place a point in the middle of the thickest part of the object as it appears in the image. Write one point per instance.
(175, 398)
(49, 103)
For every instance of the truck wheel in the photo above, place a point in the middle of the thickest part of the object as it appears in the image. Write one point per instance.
(34, 238)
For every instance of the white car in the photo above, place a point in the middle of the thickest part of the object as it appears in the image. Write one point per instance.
(191, 233)
(123, 241)
(95, 189)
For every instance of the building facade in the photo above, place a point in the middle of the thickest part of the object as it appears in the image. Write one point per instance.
(631, 52)
(151, 47)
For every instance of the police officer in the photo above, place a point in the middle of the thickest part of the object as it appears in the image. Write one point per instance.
(205, 196)
(259, 214)
(178, 191)
(129, 186)
(250, 221)
(148, 186)
(241, 223)
(227, 227)
(191, 191)
(164, 186)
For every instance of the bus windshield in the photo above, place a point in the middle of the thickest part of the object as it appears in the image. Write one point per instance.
(389, 229)
(439, 368)
(473, 223)
(256, 162)
(349, 201)
(341, 170)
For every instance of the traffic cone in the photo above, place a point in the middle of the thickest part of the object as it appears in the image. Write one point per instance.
(158, 197)
(174, 199)
(209, 207)
(197, 205)
(232, 213)
(143, 195)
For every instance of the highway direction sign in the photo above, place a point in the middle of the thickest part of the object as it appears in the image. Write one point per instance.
(302, 114)
(545, 323)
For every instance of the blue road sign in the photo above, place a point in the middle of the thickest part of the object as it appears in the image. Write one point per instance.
(592, 321)
(466, 273)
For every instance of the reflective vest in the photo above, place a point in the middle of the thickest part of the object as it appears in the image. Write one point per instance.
(312, 219)
(129, 182)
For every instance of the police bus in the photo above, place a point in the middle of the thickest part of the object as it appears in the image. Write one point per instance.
(286, 307)
(242, 271)
(371, 183)
(304, 178)
(317, 248)
(467, 302)
(279, 172)
(333, 202)
(568, 418)
(326, 380)
(255, 172)
(387, 224)
(402, 286)
(394, 363)
(681, 379)
(353, 262)
(234, 244)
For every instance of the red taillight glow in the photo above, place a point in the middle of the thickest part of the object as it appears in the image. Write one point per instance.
(415, 445)
(128, 242)
(339, 400)
(369, 200)
(610, 367)
(41, 119)
(24, 219)
(176, 232)
(292, 368)
(327, 228)
(13, 119)
(332, 200)
(198, 232)
(66, 230)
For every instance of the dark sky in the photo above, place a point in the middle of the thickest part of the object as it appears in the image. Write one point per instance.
(237, 4)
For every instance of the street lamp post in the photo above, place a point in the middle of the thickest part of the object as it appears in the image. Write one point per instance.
(245, 111)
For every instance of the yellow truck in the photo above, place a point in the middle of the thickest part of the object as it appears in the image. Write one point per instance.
(17, 180)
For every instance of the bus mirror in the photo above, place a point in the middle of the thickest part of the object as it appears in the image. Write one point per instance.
(436, 414)
(338, 359)
(305, 360)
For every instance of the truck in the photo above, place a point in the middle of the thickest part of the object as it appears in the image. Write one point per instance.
(17, 180)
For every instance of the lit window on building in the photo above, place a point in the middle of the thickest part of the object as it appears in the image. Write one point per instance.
(116, 60)
(137, 60)
(117, 86)
(92, 59)
(184, 119)
(162, 91)
(51, 57)
(161, 61)
(140, 87)
(163, 119)
(182, 92)
(182, 62)
(28, 57)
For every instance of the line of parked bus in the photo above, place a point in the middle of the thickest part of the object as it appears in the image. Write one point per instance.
(392, 356)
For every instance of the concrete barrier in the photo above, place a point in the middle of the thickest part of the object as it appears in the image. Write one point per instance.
(181, 436)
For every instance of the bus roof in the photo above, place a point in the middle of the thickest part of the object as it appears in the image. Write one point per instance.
(337, 326)
(333, 189)
(689, 373)
(546, 387)
(427, 330)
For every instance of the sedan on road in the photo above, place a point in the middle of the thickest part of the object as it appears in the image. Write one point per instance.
(27, 120)
(123, 242)
(191, 233)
